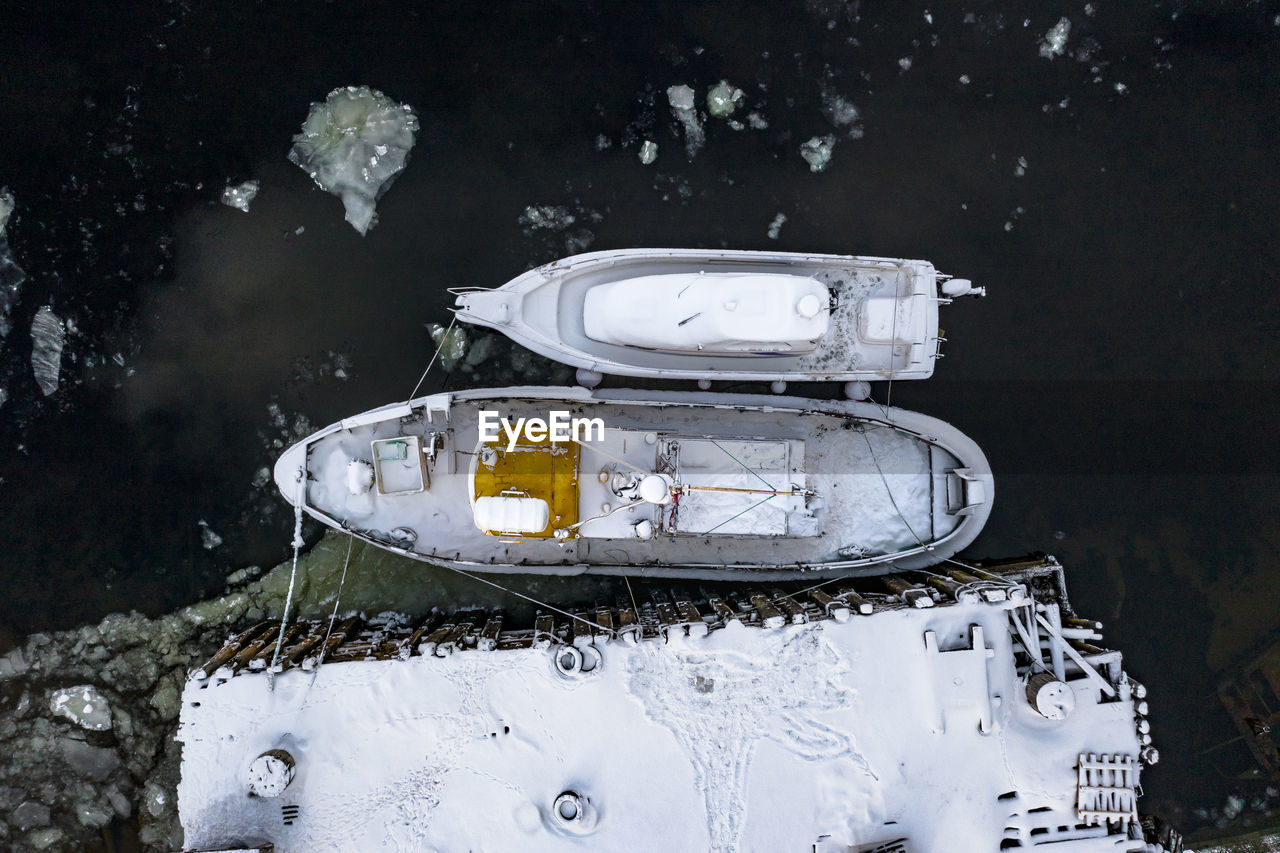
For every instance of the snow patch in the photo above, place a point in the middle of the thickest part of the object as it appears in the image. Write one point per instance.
(354, 145)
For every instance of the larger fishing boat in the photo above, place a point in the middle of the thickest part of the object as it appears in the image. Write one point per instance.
(725, 314)
(567, 481)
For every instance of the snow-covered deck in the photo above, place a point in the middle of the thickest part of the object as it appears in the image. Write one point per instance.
(908, 724)
(883, 482)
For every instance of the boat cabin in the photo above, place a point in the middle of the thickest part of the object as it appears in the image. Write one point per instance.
(724, 313)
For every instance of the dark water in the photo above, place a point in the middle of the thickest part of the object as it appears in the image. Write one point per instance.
(1121, 377)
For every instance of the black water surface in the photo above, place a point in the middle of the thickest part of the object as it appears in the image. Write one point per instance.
(1121, 377)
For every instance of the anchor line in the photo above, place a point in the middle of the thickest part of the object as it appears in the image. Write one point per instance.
(324, 647)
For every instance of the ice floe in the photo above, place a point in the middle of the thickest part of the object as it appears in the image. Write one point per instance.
(722, 99)
(48, 335)
(817, 152)
(683, 107)
(775, 227)
(1055, 40)
(240, 196)
(451, 342)
(11, 275)
(354, 145)
(82, 705)
(648, 152)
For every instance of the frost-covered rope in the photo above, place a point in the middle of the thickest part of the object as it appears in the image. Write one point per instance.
(324, 647)
(443, 339)
(293, 574)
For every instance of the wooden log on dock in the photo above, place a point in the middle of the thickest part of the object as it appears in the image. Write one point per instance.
(723, 611)
(770, 616)
(628, 623)
(789, 606)
(833, 608)
(604, 618)
(263, 658)
(856, 602)
(297, 651)
(991, 592)
(909, 593)
(344, 629)
(690, 616)
(489, 634)
(953, 589)
(544, 626)
(229, 649)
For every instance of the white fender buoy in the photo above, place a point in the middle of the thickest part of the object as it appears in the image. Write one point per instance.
(592, 660)
(568, 661)
(589, 378)
(858, 390)
(704, 384)
(956, 287)
(777, 386)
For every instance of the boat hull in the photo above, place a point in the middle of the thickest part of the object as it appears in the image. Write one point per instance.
(891, 510)
(543, 310)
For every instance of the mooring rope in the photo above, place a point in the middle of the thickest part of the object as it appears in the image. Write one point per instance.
(443, 339)
(324, 647)
(293, 574)
(531, 599)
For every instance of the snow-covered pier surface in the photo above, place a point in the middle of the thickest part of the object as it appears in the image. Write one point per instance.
(798, 722)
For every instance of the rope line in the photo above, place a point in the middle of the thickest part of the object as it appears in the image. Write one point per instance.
(528, 598)
(749, 470)
(324, 647)
(443, 339)
(293, 574)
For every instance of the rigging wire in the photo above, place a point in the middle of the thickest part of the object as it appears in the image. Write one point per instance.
(324, 647)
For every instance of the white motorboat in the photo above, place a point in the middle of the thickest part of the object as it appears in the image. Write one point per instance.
(729, 315)
(692, 484)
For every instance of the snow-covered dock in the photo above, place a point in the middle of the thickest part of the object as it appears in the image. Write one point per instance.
(960, 711)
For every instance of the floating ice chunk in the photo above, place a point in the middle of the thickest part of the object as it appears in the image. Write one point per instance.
(842, 113)
(208, 538)
(1055, 41)
(1021, 168)
(648, 152)
(546, 217)
(757, 121)
(241, 196)
(905, 63)
(1121, 88)
(82, 705)
(48, 334)
(6, 208)
(353, 145)
(11, 275)
(817, 152)
(682, 107)
(964, 79)
(723, 99)
(775, 227)
(452, 344)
